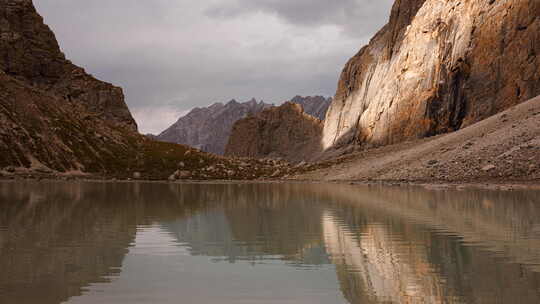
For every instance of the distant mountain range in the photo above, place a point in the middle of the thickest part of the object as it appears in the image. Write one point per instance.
(316, 106)
(209, 128)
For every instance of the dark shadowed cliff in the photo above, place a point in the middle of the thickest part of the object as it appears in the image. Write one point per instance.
(55, 118)
(53, 115)
(30, 53)
(280, 132)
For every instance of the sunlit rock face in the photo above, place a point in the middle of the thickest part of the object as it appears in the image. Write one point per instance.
(436, 67)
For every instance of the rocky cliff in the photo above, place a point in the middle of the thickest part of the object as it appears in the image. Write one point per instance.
(56, 119)
(30, 53)
(43, 131)
(316, 106)
(280, 132)
(54, 116)
(209, 128)
(436, 67)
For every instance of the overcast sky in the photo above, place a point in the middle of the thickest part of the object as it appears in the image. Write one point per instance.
(172, 55)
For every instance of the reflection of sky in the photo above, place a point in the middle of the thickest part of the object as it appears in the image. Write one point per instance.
(159, 270)
(385, 244)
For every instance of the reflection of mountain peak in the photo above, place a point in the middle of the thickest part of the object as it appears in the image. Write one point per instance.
(385, 243)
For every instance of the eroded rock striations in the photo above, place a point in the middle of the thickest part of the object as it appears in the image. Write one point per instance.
(53, 115)
(280, 132)
(436, 67)
(209, 128)
(30, 53)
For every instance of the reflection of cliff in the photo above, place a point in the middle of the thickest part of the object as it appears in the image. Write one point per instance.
(254, 221)
(373, 268)
(503, 222)
(58, 241)
(416, 246)
(398, 245)
(57, 238)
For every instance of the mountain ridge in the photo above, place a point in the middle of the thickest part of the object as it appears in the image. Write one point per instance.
(209, 128)
(284, 132)
(58, 121)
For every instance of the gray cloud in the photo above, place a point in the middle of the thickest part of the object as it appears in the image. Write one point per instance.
(173, 55)
(356, 17)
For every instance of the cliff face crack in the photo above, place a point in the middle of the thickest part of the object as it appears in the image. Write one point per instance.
(461, 72)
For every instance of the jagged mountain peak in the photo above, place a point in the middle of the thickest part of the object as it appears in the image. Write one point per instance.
(209, 128)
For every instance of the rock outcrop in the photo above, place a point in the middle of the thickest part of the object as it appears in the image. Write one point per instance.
(209, 128)
(42, 131)
(280, 132)
(54, 116)
(504, 148)
(436, 67)
(56, 120)
(30, 53)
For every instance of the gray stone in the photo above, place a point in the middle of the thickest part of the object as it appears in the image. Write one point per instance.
(488, 168)
(184, 174)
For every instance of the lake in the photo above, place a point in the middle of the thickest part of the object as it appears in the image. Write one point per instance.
(93, 242)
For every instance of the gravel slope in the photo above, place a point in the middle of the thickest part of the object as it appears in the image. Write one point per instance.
(503, 148)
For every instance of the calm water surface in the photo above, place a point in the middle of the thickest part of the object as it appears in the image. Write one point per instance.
(83, 242)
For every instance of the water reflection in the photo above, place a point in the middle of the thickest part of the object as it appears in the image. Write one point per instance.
(383, 244)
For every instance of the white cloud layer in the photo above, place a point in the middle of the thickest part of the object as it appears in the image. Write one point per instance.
(201, 52)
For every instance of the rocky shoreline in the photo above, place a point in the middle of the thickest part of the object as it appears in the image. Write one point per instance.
(495, 185)
(502, 148)
(496, 151)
